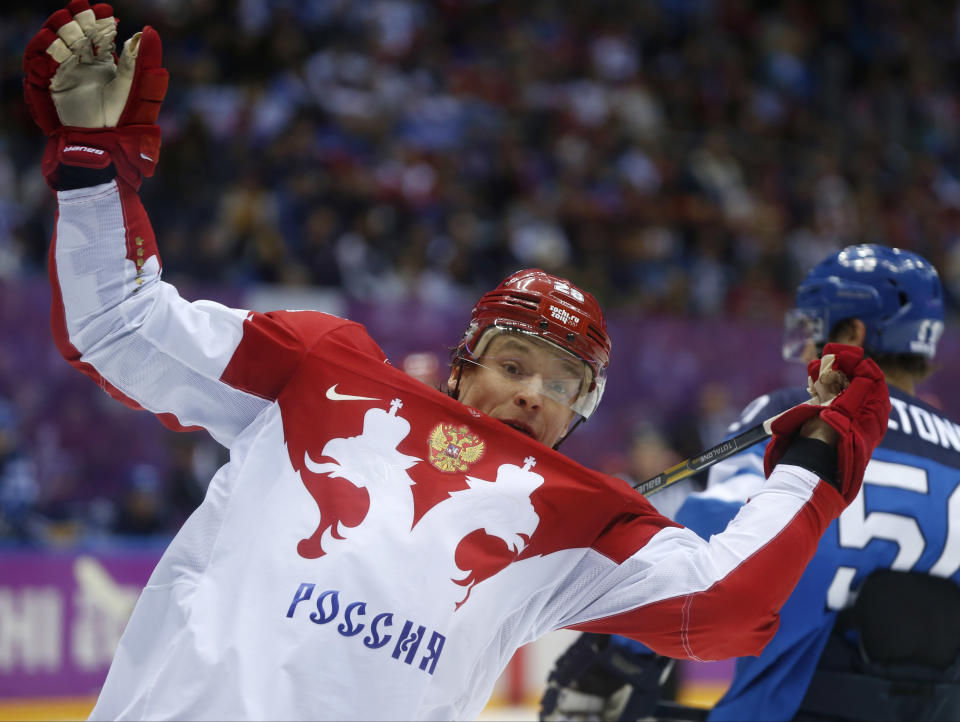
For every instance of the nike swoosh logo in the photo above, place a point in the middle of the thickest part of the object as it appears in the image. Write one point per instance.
(334, 396)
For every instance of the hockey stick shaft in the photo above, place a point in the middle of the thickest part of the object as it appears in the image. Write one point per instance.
(708, 458)
(711, 456)
(728, 448)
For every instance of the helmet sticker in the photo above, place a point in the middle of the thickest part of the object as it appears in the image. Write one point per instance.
(564, 317)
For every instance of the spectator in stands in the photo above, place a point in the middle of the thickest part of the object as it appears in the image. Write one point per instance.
(143, 509)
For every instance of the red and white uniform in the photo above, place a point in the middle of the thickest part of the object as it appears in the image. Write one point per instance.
(374, 549)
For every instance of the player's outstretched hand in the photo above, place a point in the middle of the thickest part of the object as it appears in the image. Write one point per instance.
(95, 107)
(858, 413)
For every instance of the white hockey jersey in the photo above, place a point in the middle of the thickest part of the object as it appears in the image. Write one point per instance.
(374, 549)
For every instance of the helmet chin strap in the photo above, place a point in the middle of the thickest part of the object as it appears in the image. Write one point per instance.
(455, 392)
(580, 420)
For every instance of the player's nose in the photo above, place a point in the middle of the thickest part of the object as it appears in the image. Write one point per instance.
(529, 393)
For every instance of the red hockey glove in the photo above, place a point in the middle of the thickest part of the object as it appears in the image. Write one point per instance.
(859, 414)
(96, 108)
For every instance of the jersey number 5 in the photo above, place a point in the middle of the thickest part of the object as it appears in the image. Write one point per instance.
(856, 528)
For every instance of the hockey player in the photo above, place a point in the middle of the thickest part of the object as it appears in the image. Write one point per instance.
(375, 549)
(872, 631)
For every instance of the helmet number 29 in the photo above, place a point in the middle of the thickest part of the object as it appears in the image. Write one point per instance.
(566, 288)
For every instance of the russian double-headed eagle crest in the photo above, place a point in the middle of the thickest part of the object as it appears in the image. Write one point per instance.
(454, 448)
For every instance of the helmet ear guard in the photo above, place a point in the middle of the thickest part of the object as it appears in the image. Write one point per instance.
(895, 293)
(550, 308)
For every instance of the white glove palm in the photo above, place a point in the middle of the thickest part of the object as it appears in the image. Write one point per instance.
(90, 89)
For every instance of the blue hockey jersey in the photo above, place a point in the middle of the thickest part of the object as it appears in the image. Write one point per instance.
(906, 517)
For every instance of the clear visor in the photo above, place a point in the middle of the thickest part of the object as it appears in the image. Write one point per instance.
(803, 330)
(526, 360)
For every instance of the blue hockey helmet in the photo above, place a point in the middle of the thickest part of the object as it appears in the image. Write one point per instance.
(895, 293)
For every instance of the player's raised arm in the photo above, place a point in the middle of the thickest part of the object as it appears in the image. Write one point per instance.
(194, 364)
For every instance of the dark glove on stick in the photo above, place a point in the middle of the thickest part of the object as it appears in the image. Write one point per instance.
(598, 679)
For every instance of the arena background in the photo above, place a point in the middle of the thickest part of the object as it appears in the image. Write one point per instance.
(389, 160)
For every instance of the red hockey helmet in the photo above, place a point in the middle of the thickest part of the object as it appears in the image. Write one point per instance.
(540, 304)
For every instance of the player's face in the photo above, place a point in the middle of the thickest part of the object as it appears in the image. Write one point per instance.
(525, 383)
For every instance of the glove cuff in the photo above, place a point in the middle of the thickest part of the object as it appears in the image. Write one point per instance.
(813, 455)
(71, 177)
(132, 149)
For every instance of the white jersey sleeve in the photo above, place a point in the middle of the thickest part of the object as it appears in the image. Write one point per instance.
(197, 364)
(709, 599)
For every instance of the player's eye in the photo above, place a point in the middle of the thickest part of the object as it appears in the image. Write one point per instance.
(564, 388)
(511, 367)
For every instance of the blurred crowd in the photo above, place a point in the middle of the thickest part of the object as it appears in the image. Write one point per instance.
(150, 502)
(679, 156)
(682, 157)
